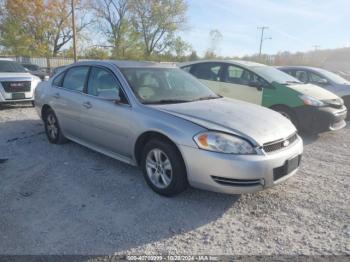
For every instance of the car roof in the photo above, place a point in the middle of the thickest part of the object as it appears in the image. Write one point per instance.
(301, 67)
(242, 63)
(6, 59)
(128, 64)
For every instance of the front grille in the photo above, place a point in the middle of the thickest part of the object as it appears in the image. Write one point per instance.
(16, 86)
(278, 145)
(236, 182)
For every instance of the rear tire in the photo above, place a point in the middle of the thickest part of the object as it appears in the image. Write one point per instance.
(163, 168)
(52, 128)
(288, 113)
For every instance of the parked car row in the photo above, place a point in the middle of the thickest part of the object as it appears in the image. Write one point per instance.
(309, 107)
(211, 127)
(323, 78)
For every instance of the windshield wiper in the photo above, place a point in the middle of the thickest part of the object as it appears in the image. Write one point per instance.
(207, 98)
(167, 101)
(293, 82)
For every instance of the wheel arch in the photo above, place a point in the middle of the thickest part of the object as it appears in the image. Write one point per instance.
(147, 136)
(287, 108)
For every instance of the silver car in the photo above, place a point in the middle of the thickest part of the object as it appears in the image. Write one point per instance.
(175, 128)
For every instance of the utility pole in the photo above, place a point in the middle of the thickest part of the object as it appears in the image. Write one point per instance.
(316, 47)
(74, 33)
(262, 28)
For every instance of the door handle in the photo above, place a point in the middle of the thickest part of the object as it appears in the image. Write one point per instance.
(87, 105)
(56, 95)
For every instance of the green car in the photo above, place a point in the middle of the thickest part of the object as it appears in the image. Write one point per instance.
(309, 107)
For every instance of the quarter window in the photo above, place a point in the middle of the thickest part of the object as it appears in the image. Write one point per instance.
(58, 80)
(75, 78)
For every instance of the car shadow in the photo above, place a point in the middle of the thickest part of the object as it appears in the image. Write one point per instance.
(309, 138)
(15, 105)
(69, 199)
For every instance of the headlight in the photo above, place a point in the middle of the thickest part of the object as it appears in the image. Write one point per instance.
(310, 101)
(223, 143)
(35, 81)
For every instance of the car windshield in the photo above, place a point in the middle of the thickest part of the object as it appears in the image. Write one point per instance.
(166, 85)
(272, 74)
(11, 66)
(333, 77)
(31, 67)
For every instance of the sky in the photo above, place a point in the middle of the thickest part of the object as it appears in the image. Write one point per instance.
(294, 25)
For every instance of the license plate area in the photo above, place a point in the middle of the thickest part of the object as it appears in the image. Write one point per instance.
(289, 166)
(16, 96)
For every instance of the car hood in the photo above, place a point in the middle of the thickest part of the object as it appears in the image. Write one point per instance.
(16, 76)
(314, 91)
(256, 123)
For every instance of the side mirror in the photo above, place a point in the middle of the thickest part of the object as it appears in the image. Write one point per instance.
(110, 95)
(322, 81)
(255, 84)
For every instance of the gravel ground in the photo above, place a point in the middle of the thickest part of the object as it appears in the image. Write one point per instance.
(70, 200)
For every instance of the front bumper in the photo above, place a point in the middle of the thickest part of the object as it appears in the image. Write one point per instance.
(321, 119)
(246, 173)
(7, 97)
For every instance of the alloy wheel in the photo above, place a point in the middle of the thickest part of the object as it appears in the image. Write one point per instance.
(159, 168)
(52, 126)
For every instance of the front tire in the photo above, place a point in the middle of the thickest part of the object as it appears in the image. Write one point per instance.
(163, 168)
(52, 128)
(347, 104)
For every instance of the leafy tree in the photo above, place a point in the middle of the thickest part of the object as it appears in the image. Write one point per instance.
(96, 53)
(37, 27)
(115, 24)
(215, 37)
(157, 21)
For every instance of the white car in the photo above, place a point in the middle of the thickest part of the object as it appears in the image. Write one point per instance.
(16, 84)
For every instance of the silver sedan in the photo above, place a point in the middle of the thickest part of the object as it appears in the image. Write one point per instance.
(175, 128)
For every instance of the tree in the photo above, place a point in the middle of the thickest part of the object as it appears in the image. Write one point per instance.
(37, 27)
(157, 21)
(215, 37)
(96, 53)
(114, 18)
(180, 47)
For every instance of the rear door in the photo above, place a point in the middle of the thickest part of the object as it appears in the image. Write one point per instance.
(66, 98)
(239, 83)
(210, 74)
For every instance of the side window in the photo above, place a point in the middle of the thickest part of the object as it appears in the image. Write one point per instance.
(314, 78)
(240, 76)
(208, 71)
(58, 80)
(186, 68)
(102, 83)
(75, 78)
(301, 76)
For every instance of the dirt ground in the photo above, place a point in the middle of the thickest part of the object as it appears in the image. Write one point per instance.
(70, 200)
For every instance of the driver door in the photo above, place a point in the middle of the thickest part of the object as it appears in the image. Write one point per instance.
(238, 84)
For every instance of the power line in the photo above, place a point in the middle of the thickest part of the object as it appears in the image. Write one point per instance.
(262, 28)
